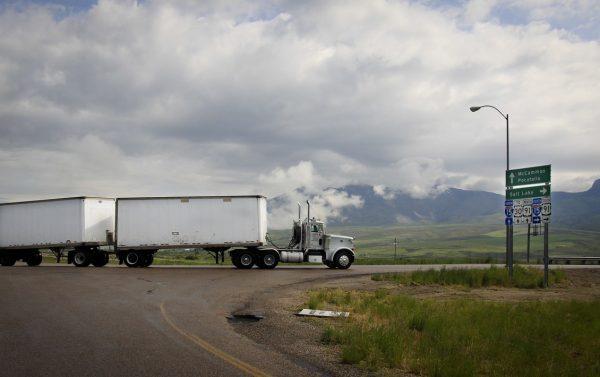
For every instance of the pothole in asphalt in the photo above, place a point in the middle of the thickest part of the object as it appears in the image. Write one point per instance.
(245, 317)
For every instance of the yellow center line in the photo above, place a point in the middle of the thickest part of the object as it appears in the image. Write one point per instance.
(253, 371)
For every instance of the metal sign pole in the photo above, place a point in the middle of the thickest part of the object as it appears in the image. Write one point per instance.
(546, 258)
(511, 255)
(528, 241)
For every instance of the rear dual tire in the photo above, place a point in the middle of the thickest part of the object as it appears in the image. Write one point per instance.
(100, 259)
(243, 260)
(7, 261)
(34, 260)
(246, 259)
(268, 260)
(136, 259)
(82, 258)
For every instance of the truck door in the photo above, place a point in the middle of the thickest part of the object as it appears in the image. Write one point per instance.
(316, 236)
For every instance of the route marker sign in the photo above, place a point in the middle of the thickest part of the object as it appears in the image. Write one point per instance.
(534, 175)
(528, 192)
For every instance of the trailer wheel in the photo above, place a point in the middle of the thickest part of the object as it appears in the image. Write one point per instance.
(343, 259)
(133, 259)
(81, 258)
(8, 261)
(148, 260)
(100, 259)
(34, 260)
(246, 260)
(268, 260)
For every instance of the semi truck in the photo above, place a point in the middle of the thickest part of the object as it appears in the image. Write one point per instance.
(88, 229)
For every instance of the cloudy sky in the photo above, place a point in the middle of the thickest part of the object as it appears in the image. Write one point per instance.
(178, 98)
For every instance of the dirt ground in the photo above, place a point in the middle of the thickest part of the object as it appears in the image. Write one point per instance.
(299, 337)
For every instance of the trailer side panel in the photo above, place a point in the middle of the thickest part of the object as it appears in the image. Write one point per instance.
(40, 223)
(190, 221)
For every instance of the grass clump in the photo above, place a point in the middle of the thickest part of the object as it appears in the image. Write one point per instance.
(475, 278)
(464, 337)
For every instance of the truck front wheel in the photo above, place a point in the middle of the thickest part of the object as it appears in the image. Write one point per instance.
(329, 264)
(343, 259)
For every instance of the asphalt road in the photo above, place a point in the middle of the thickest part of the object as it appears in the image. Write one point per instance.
(68, 321)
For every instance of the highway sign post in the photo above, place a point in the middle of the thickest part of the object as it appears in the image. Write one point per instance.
(528, 205)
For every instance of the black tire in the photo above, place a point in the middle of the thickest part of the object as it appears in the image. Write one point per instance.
(8, 261)
(246, 260)
(133, 259)
(235, 260)
(34, 260)
(268, 260)
(82, 258)
(343, 260)
(329, 264)
(148, 259)
(100, 259)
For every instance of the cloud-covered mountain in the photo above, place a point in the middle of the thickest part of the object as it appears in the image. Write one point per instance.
(385, 207)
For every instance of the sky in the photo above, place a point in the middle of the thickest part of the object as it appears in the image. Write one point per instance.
(125, 98)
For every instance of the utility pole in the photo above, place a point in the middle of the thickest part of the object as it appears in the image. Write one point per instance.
(395, 248)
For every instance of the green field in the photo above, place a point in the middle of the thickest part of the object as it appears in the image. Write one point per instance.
(461, 243)
(463, 337)
(465, 242)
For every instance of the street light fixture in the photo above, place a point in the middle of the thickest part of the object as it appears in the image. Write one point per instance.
(509, 228)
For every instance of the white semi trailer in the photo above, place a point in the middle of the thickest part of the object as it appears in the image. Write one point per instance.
(218, 224)
(134, 229)
(81, 225)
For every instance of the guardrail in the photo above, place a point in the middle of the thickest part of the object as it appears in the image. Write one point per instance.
(568, 260)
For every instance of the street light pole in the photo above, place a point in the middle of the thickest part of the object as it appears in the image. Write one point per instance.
(509, 228)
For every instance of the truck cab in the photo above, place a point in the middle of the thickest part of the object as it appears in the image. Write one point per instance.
(333, 250)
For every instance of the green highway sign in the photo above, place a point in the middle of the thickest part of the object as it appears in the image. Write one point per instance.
(528, 176)
(528, 192)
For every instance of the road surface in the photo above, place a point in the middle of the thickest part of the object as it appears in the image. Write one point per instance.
(68, 321)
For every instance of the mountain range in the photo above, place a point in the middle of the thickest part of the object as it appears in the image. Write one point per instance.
(579, 210)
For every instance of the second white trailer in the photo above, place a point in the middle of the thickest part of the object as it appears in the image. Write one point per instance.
(215, 223)
(79, 224)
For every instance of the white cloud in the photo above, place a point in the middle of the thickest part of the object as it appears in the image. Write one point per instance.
(167, 98)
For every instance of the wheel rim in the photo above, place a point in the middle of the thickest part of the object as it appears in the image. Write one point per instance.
(269, 260)
(344, 260)
(246, 259)
(132, 258)
(80, 258)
